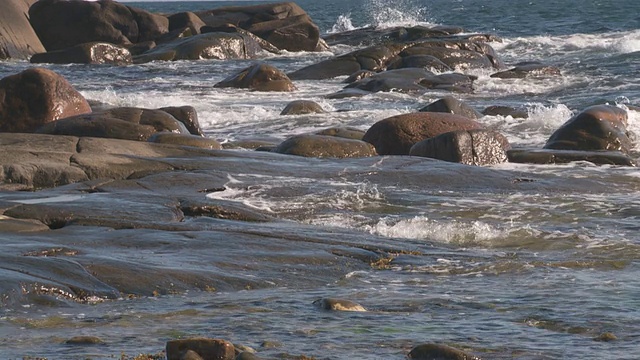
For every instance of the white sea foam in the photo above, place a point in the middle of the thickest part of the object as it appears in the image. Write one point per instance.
(387, 13)
(343, 23)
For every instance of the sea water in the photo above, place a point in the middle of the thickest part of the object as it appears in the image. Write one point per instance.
(504, 274)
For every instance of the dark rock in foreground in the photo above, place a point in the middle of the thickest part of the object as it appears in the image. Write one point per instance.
(17, 38)
(35, 97)
(88, 53)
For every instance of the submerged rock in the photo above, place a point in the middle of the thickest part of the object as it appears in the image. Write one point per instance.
(551, 156)
(497, 110)
(259, 77)
(439, 352)
(338, 305)
(35, 97)
(396, 135)
(599, 127)
(213, 349)
(87, 53)
(528, 69)
(412, 80)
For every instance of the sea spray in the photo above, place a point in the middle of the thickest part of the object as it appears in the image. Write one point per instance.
(386, 13)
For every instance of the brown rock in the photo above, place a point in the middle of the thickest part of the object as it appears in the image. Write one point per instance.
(186, 115)
(301, 107)
(321, 146)
(35, 97)
(185, 140)
(358, 75)
(343, 132)
(260, 77)
(186, 20)
(396, 135)
(472, 147)
(438, 352)
(88, 53)
(208, 349)
(334, 304)
(285, 25)
(150, 25)
(17, 38)
(599, 127)
(496, 110)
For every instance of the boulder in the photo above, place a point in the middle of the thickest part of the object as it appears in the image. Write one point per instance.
(599, 127)
(18, 40)
(218, 45)
(61, 24)
(259, 77)
(335, 304)
(458, 52)
(321, 146)
(413, 80)
(185, 140)
(451, 105)
(358, 75)
(229, 28)
(186, 20)
(550, 156)
(301, 107)
(342, 132)
(210, 349)
(438, 352)
(373, 35)
(528, 69)
(35, 97)
(118, 123)
(472, 147)
(87, 53)
(498, 110)
(427, 62)
(397, 134)
(285, 25)
(374, 58)
(186, 115)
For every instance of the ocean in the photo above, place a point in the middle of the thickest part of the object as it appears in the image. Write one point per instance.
(504, 273)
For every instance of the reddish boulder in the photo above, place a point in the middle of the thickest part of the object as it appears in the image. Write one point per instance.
(396, 135)
(35, 97)
(260, 77)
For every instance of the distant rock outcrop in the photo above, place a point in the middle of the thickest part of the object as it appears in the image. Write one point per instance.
(17, 38)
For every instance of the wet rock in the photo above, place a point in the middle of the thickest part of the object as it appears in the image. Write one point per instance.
(186, 19)
(457, 53)
(221, 210)
(191, 355)
(186, 115)
(118, 123)
(471, 147)
(413, 80)
(451, 105)
(285, 25)
(439, 352)
(140, 48)
(37, 96)
(343, 132)
(249, 144)
(245, 355)
(218, 45)
(358, 75)
(374, 58)
(528, 69)
(210, 349)
(17, 38)
(84, 340)
(321, 146)
(606, 337)
(334, 304)
(599, 127)
(269, 344)
(62, 24)
(259, 77)
(11, 225)
(426, 62)
(87, 53)
(185, 140)
(229, 28)
(373, 35)
(497, 110)
(301, 107)
(396, 135)
(550, 156)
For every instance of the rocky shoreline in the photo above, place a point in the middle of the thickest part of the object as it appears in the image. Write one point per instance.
(73, 170)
